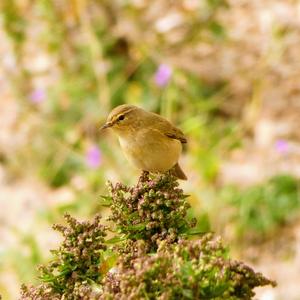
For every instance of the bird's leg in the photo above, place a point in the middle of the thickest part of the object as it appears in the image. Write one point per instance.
(144, 176)
(170, 173)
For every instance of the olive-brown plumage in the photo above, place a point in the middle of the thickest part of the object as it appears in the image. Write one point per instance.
(148, 140)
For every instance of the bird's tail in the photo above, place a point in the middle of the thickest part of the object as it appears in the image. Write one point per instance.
(177, 172)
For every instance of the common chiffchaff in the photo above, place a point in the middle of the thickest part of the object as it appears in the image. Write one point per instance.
(148, 140)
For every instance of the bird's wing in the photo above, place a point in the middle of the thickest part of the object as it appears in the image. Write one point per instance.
(176, 134)
(169, 130)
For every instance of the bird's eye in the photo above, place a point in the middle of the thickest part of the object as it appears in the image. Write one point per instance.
(122, 117)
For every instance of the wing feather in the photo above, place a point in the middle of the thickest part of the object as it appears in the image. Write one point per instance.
(168, 128)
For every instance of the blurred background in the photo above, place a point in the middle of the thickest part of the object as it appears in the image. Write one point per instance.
(226, 72)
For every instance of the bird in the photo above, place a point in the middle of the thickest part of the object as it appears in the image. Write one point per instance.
(148, 140)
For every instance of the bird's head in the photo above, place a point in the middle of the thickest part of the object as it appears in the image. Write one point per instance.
(123, 118)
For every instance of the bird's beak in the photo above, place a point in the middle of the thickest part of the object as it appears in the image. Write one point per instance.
(106, 125)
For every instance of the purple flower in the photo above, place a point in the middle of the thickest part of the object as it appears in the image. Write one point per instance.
(37, 96)
(163, 75)
(93, 157)
(282, 146)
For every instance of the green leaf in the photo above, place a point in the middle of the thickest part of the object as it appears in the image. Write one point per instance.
(136, 227)
(106, 201)
(196, 232)
(115, 239)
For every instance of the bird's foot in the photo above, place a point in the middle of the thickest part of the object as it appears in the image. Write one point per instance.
(144, 177)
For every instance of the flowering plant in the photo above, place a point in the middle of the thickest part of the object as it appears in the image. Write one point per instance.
(150, 256)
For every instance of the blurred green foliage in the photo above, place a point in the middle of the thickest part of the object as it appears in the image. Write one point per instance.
(262, 209)
(14, 22)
